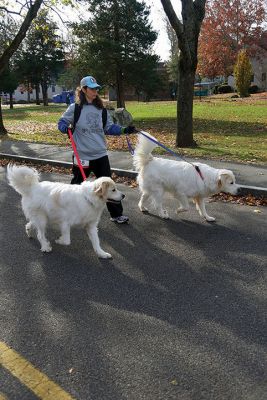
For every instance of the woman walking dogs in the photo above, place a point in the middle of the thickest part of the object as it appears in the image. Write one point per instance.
(90, 123)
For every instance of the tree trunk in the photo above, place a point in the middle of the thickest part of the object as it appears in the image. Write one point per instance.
(3, 130)
(120, 90)
(186, 79)
(11, 101)
(44, 92)
(37, 90)
(187, 32)
(28, 94)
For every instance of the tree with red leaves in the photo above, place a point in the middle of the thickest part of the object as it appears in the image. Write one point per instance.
(229, 26)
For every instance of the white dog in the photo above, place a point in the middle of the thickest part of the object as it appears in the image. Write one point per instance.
(180, 178)
(62, 205)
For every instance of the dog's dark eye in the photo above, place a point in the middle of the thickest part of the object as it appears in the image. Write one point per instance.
(113, 190)
(231, 183)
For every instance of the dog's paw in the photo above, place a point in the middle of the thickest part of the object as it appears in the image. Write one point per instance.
(62, 241)
(164, 214)
(142, 208)
(46, 248)
(103, 254)
(29, 231)
(210, 219)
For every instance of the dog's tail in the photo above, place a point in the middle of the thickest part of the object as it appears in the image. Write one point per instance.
(142, 153)
(22, 179)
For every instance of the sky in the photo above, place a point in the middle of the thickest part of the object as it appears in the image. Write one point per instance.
(162, 45)
(157, 16)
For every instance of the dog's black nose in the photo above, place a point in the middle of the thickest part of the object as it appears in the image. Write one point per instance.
(123, 196)
(239, 190)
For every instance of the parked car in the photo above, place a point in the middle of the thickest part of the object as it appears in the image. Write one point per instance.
(64, 97)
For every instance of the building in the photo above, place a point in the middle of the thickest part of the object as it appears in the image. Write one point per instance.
(259, 66)
(23, 95)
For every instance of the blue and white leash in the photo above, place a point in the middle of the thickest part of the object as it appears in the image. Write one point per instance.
(130, 147)
(165, 148)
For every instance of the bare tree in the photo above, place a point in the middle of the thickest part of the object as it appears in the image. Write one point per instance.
(187, 32)
(10, 50)
(33, 8)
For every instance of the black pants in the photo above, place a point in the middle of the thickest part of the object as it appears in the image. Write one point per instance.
(100, 167)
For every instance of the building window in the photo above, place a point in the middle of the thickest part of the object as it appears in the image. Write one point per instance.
(263, 76)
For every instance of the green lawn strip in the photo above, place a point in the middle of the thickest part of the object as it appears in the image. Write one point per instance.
(222, 129)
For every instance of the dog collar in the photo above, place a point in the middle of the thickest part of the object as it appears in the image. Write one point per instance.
(199, 172)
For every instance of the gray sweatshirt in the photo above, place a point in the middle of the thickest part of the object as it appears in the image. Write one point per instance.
(89, 135)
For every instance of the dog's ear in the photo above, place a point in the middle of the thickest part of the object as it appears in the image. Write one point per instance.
(102, 190)
(221, 178)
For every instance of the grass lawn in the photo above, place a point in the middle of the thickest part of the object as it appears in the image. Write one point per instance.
(224, 128)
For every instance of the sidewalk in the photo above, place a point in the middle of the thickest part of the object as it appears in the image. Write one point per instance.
(252, 178)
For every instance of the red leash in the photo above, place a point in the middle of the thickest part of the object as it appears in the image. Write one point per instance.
(76, 154)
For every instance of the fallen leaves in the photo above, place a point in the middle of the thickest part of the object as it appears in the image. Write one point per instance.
(248, 200)
(47, 168)
(125, 180)
(226, 198)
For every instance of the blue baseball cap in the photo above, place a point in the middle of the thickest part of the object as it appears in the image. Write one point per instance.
(90, 82)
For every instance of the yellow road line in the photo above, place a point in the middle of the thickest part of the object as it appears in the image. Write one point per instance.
(27, 374)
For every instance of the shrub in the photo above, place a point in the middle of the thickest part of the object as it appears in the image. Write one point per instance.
(242, 73)
(225, 89)
(253, 89)
(215, 89)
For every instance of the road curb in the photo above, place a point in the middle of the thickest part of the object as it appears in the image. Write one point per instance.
(34, 160)
(245, 190)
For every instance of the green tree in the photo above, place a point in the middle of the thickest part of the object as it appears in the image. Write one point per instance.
(10, 46)
(28, 68)
(42, 58)
(8, 83)
(25, 12)
(7, 27)
(242, 73)
(143, 76)
(70, 76)
(115, 41)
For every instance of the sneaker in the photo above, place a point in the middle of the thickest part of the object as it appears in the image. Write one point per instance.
(122, 219)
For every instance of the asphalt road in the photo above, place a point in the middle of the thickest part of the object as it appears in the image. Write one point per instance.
(178, 313)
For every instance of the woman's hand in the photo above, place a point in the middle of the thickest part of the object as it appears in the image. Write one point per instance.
(129, 129)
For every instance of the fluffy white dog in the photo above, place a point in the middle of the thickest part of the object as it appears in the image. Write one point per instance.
(62, 205)
(180, 178)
